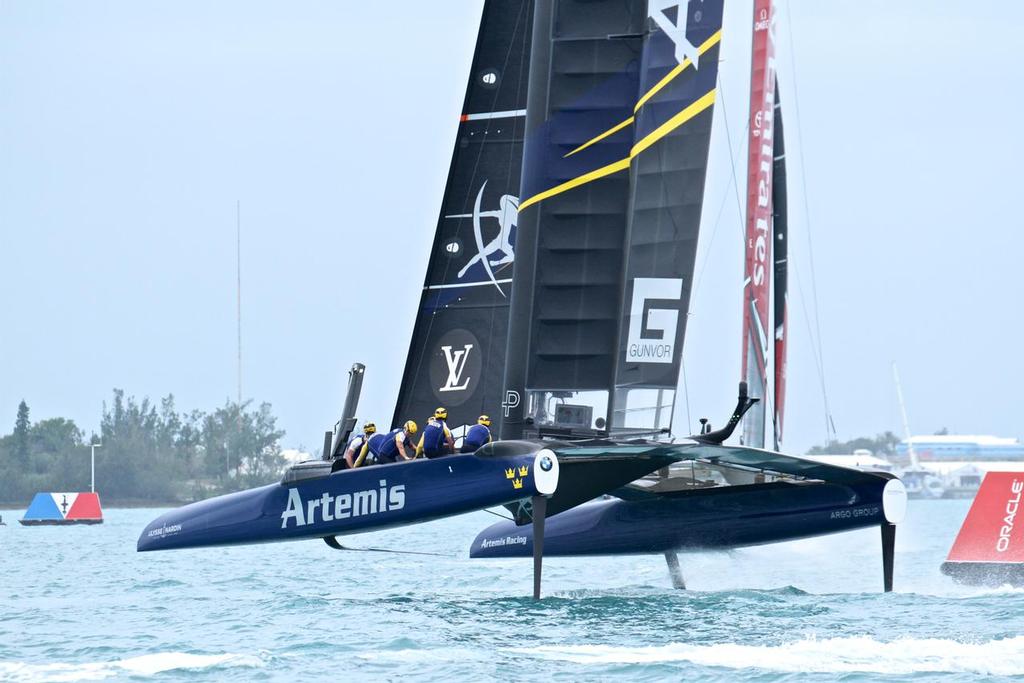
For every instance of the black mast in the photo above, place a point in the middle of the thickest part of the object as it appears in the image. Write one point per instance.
(521, 314)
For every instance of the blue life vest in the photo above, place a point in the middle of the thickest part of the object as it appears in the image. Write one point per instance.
(387, 449)
(374, 444)
(476, 437)
(434, 439)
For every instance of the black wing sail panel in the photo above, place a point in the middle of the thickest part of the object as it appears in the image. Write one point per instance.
(780, 227)
(457, 353)
(618, 127)
(668, 167)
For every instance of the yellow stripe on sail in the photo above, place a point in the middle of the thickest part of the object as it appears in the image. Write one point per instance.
(658, 133)
(576, 182)
(704, 47)
(679, 119)
(611, 131)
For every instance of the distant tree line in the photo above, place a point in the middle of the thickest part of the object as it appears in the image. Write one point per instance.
(882, 445)
(149, 453)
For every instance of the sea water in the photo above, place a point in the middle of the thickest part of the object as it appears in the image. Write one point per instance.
(78, 603)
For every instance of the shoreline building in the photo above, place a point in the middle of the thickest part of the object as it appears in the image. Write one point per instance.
(960, 461)
(961, 448)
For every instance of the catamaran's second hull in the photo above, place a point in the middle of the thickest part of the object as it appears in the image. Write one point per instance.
(709, 519)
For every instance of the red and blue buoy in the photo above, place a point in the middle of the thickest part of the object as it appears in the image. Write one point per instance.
(63, 508)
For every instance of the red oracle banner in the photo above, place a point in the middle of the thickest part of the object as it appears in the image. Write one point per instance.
(993, 530)
(756, 275)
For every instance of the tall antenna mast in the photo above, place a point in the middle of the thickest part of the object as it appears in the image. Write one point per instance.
(238, 260)
(238, 311)
(903, 412)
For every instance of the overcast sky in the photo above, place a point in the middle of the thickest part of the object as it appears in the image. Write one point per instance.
(128, 130)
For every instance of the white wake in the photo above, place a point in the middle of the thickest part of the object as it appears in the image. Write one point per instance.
(144, 665)
(832, 655)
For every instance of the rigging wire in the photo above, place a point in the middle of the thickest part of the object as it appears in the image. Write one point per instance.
(732, 159)
(338, 546)
(820, 359)
(829, 427)
(498, 514)
(686, 393)
(733, 182)
(711, 241)
(768, 398)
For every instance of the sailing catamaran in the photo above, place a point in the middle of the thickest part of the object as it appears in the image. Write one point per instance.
(580, 164)
(612, 192)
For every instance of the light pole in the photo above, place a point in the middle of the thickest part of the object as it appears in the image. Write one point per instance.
(92, 468)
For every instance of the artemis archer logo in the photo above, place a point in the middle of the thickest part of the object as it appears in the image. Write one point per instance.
(506, 215)
(456, 366)
(675, 29)
(652, 331)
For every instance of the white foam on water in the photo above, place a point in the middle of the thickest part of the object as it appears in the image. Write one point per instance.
(440, 655)
(144, 665)
(833, 655)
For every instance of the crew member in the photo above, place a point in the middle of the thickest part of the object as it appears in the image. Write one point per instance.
(356, 443)
(437, 438)
(478, 435)
(371, 447)
(441, 414)
(395, 445)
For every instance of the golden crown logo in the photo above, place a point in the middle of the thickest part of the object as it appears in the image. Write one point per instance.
(510, 473)
(517, 483)
(524, 470)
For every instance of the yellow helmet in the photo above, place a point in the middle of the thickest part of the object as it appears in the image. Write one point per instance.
(410, 427)
(369, 428)
(441, 413)
(484, 420)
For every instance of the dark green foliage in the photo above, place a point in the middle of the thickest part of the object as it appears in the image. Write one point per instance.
(242, 444)
(149, 453)
(21, 437)
(52, 461)
(882, 445)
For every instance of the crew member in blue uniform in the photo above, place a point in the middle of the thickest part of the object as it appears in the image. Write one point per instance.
(368, 453)
(437, 438)
(355, 444)
(478, 435)
(393, 446)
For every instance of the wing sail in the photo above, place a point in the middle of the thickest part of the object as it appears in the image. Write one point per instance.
(618, 128)
(457, 352)
(756, 273)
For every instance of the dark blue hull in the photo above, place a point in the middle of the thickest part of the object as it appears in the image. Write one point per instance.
(345, 502)
(715, 518)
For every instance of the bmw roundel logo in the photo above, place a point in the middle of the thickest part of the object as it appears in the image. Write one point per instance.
(546, 464)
